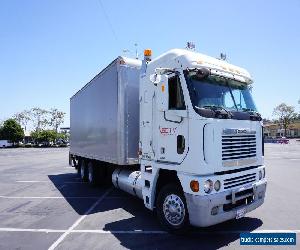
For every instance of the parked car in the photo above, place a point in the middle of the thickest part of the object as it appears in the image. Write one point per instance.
(5, 144)
(28, 145)
(283, 140)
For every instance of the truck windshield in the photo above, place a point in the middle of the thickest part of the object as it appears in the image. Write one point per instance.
(217, 92)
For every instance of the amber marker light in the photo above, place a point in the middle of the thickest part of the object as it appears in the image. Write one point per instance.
(147, 52)
(194, 186)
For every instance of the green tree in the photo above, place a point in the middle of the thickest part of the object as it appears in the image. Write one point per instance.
(57, 118)
(12, 131)
(45, 136)
(48, 135)
(286, 114)
(35, 135)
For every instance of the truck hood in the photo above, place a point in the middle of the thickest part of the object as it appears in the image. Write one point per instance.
(226, 145)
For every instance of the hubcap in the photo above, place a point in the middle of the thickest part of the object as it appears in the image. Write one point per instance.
(174, 210)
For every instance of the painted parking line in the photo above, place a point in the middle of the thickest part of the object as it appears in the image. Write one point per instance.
(61, 187)
(75, 182)
(31, 181)
(49, 197)
(120, 232)
(44, 230)
(65, 182)
(77, 222)
(32, 230)
(284, 158)
(165, 232)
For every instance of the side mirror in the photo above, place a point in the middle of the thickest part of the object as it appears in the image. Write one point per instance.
(155, 78)
(162, 93)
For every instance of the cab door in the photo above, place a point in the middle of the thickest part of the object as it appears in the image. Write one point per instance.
(170, 120)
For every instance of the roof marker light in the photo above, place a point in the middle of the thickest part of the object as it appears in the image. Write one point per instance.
(147, 54)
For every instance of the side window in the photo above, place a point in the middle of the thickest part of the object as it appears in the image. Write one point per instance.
(176, 99)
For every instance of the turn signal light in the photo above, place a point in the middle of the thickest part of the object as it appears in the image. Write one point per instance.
(194, 186)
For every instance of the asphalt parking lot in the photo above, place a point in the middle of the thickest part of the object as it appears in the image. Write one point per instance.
(44, 205)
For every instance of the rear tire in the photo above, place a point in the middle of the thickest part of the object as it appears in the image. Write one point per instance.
(172, 210)
(92, 174)
(83, 171)
(78, 166)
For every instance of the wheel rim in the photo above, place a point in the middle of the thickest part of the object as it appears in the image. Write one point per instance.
(174, 209)
(90, 174)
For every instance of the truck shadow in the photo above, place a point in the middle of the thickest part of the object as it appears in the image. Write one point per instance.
(120, 212)
(78, 194)
(213, 237)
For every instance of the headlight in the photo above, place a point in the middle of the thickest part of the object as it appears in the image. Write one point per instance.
(259, 175)
(208, 186)
(217, 185)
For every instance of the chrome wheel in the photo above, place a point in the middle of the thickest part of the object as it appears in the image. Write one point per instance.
(174, 210)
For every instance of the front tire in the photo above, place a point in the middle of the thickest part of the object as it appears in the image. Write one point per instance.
(171, 209)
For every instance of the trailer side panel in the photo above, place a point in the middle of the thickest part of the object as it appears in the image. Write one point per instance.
(104, 115)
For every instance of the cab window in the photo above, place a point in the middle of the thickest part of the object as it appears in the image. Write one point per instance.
(176, 99)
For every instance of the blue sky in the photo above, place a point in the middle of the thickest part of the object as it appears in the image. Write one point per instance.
(50, 49)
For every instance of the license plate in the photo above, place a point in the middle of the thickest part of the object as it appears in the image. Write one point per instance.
(240, 213)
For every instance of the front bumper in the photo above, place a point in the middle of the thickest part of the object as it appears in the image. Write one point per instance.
(200, 207)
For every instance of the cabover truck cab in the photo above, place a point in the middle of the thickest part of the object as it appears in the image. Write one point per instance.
(201, 138)
(200, 142)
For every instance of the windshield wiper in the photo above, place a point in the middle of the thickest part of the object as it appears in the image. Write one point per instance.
(231, 94)
(217, 111)
(254, 115)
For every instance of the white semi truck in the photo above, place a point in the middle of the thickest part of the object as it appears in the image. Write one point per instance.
(181, 132)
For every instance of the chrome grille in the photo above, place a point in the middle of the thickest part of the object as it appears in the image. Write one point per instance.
(236, 147)
(240, 180)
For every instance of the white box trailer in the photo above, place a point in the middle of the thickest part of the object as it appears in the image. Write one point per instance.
(105, 115)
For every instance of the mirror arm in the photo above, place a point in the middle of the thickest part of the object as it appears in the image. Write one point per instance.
(163, 71)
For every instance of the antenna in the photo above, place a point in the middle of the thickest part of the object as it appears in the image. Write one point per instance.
(128, 52)
(223, 56)
(136, 51)
(190, 46)
(125, 51)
